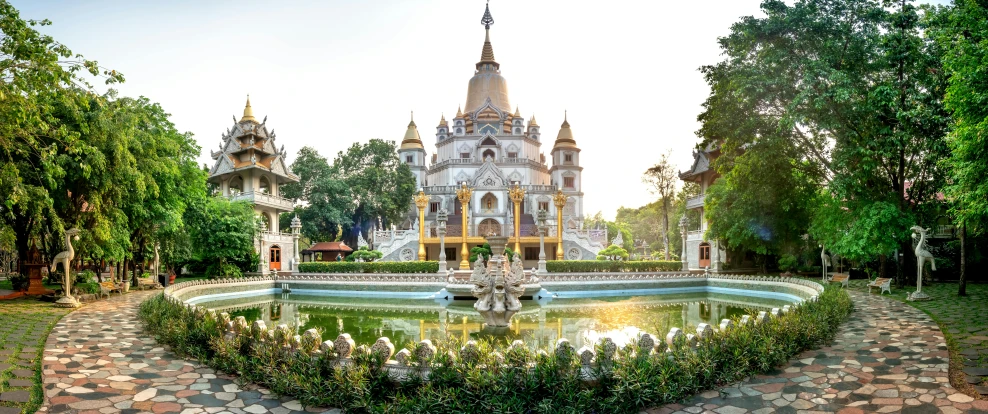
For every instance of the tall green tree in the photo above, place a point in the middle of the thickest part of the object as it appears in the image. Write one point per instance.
(662, 179)
(962, 31)
(55, 140)
(855, 89)
(221, 230)
(379, 185)
(326, 198)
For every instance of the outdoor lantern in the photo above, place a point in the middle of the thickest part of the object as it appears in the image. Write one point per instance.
(441, 218)
(683, 222)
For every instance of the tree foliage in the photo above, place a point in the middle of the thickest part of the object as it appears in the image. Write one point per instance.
(849, 92)
(221, 230)
(662, 179)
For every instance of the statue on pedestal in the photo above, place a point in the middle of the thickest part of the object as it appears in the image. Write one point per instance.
(922, 255)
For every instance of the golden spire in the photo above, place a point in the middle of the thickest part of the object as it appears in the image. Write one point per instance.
(532, 122)
(487, 54)
(565, 136)
(442, 120)
(517, 112)
(459, 113)
(412, 139)
(248, 112)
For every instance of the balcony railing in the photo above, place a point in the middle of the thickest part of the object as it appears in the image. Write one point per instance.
(264, 199)
(694, 202)
(694, 235)
(943, 231)
(451, 189)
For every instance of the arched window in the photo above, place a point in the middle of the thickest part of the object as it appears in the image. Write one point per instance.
(489, 227)
(264, 186)
(488, 154)
(236, 185)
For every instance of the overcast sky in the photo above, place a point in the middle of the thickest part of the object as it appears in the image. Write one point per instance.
(327, 74)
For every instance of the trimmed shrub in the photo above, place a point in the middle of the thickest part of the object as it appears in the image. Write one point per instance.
(369, 267)
(538, 382)
(19, 282)
(90, 288)
(580, 266)
(84, 277)
(223, 271)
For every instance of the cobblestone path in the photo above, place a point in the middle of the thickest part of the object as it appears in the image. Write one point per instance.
(97, 360)
(889, 357)
(24, 326)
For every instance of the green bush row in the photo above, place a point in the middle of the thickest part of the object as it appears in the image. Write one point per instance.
(90, 288)
(369, 267)
(525, 381)
(578, 266)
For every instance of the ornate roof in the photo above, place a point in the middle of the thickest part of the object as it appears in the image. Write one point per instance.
(249, 144)
(565, 137)
(487, 84)
(412, 139)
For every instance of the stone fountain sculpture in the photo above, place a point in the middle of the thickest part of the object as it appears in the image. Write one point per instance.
(65, 258)
(497, 287)
(922, 255)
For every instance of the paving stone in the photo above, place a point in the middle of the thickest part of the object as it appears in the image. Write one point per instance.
(16, 396)
(886, 358)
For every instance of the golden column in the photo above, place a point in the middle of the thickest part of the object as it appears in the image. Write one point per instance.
(559, 199)
(517, 194)
(421, 201)
(464, 194)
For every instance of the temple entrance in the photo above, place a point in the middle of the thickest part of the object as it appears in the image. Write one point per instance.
(274, 258)
(489, 227)
(704, 255)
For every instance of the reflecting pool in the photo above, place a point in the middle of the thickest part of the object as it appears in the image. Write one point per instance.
(582, 320)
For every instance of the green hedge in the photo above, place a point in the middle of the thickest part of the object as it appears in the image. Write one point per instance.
(550, 382)
(369, 267)
(576, 266)
(91, 288)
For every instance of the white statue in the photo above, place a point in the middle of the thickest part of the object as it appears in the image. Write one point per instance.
(65, 258)
(498, 287)
(824, 260)
(922, 255)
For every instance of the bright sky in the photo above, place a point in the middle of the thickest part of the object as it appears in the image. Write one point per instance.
(336, 72)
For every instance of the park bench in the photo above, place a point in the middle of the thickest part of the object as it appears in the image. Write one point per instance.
(108, 286)
(147, 282)
(885, 284)
(841, 278)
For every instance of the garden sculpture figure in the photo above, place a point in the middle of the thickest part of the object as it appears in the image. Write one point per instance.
(824, 260)
(922, 255)
(65, 258)
(497, 287)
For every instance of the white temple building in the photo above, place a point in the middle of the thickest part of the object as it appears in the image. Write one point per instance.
(489, 147)
(250, 167)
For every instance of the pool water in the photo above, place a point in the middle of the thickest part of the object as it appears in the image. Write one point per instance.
(581, 320)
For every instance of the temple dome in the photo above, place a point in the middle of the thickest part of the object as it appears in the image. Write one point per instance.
(412, 139)
(564, 139)
(488, 82)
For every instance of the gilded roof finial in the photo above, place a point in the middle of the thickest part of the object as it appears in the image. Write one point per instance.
(487, 20)
(459, 113)
(487, 54)
(565, 119)
(412, 123)
(517, 112)
(248, 112)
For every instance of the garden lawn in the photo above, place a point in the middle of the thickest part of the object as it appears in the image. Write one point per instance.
(26, 325)
(964, 321)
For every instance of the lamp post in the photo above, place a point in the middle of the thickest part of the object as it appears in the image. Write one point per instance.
(296, 231)
(517, 194)
(559, 199)
(541, 216)
(421, 201)
(683, 224)
(441, 232)
(463, 194)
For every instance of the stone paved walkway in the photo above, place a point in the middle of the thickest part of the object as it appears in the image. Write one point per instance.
(97, 360)
(889, 357)
(24, 327)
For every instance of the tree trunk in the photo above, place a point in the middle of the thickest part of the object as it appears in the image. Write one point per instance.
(133, 274)
(882, 268)
(962, 283)
(665, 226)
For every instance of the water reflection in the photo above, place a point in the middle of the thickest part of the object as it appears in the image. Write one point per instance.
(583, 321)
